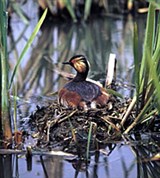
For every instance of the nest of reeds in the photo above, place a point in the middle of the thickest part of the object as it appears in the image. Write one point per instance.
(58, 128)
(73, 130)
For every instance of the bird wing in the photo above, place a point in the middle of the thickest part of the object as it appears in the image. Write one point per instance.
(87, 90)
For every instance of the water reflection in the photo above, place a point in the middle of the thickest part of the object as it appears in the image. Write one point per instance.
(56, 43)
(38, 76)
(96, 39)
(125, 160)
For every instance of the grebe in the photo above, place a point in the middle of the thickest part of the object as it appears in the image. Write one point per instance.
(79, 93)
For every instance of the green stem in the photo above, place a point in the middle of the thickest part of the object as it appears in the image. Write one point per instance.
(89, 141)
(28, 44)
(4, 59)
(87, 8)
(5, 116)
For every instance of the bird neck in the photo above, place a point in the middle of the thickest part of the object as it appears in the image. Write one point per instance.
(80, 77)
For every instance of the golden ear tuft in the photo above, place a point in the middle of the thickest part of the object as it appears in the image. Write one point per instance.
(80, 66)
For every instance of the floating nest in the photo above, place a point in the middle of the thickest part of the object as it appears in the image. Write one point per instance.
(70, 130)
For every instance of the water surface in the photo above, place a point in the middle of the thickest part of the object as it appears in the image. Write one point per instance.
(40, 74)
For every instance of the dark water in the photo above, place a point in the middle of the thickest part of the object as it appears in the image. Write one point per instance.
(120, 163)
(39, 75)
(127, 159)
(95, 39)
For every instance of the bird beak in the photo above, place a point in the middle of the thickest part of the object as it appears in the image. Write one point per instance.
(66, 63)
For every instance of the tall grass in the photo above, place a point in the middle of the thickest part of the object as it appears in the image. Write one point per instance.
(5, 85)
(4, 61)
(89, 141)
(87, 9)
(5, 119)
(70, 9)
(28, 44)
(147, 75)
(17, 9)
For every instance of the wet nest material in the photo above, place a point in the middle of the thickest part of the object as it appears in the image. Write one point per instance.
(57, 128)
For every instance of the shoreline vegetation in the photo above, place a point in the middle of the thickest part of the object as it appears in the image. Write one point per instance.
(139, 113)
(84, 10)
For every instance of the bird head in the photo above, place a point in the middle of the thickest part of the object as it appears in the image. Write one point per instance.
(79, 63)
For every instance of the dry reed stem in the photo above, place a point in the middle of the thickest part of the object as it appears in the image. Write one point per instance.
(111, 69)
(106, 119)
(128, 111)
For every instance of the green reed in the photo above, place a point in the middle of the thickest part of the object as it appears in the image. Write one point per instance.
(89, 140)
(5, 85)
(87, 9)
(3, 54)
(16, 6)
(6, 124)
(147, 76)
(70, 9)
(28, 44)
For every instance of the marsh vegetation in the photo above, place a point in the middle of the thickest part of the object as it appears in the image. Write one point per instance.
(32, 122)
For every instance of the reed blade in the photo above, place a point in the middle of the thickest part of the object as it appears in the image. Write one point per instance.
(87, 8)
(28, 44)
(3, 55)
(16, 7)
(137, 66)
(89, 140)
(5, 121)
(147, 77)
(70, 10)
(148, 45)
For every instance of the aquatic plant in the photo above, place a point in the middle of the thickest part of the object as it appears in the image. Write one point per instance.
(5, 85)
(75, 9)
(28, 44)
(5, 117)
(146, 71)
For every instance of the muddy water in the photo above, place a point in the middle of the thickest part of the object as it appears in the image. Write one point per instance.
(40, 75)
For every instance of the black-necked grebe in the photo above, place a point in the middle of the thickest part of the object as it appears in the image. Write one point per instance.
(79, 93)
